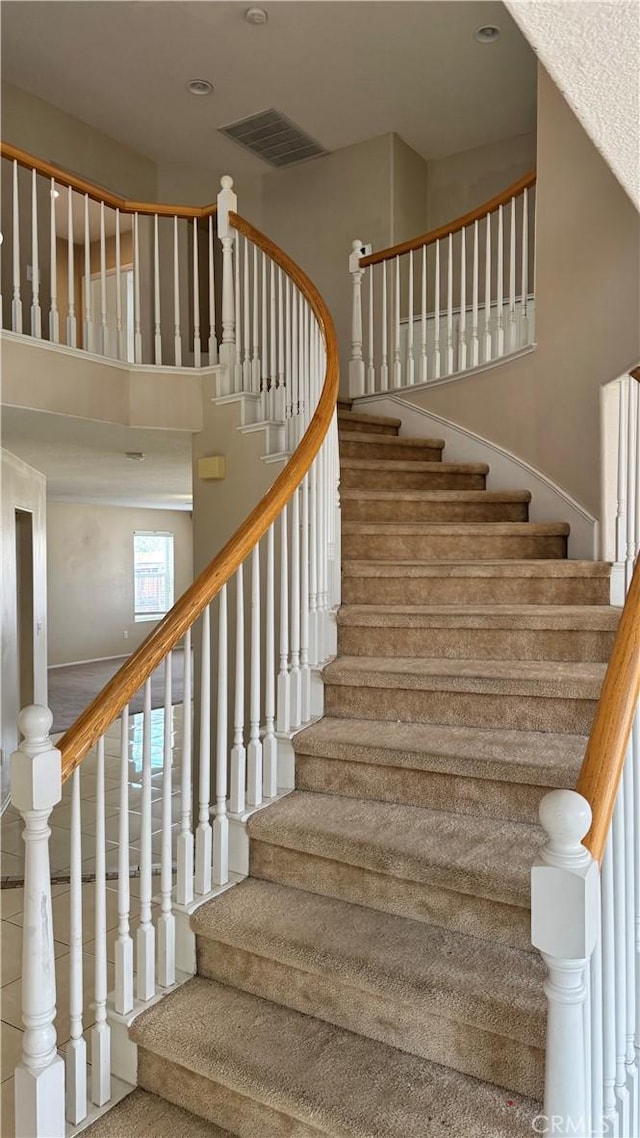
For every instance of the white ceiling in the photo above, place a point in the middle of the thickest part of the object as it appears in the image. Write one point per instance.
(343, 71)
(84, 461)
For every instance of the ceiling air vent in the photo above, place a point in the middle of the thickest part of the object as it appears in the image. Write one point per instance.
(274, 138)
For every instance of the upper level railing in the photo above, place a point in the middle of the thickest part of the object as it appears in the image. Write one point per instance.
(448, 300)
(258, 620)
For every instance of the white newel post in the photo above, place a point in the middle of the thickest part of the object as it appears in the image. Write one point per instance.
(356, 363)
(227, 203)
(36, 786)
(564, 921)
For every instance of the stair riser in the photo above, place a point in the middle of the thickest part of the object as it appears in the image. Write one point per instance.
(414, 1027)
(352, 448)
(474, 590)
(366, 428)
(420, 901)
(409, 510)
(515, 801)
(229, 1109)
(447, 547)
(400, 480)
(460, 708)
(476, 643)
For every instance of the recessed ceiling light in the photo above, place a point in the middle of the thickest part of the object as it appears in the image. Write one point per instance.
(200, 87)
(134, 455)
(256, 16)
(488, 33)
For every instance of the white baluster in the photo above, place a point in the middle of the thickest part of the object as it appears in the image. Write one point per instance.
(384, 358)
(295, 679)
(410, 326)
(237, 376)
(371, 371)
(185, 850)
(631, 392)
(631, 978)
(424, 374)
(36, 786)
(166, 920)
(297, 363)
(103, 286)
(608, 994)
(487, 291)
(620, 970)
(54, 318)
(121, 338)
(564, 900)
(203, 831)
(227, 202)
(238, 751)
(356, 363)
(280, 393)
(264, 343)
(124, 942)
(288, 366)
(273, 343)
(36, 312)
(221, 820)
(450, 305)
(72, 333)
(397, 362)
(313, 565)
(16, 303)
(177, 335)
(100, 1032)
(246, 365)
(284, 686)
(76, 1049)
(305, 674)
(436, 317)
(462, 328)
(255, 353)
(596, 1070)
(635, 758)
(137, 307)
(270, 743)
(254, 750)
(157, 335)
(524, 287)
(146, 934)
(87, 323)
(513, 329)
(475, 342)
(213, 342)
(197, 343)
(500, 338)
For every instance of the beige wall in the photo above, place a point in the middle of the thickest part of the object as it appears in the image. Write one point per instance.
(461, 182)
(23, 488)
(90, 576)
(408, 191)
(545, 406)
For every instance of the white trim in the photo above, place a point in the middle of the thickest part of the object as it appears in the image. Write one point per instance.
(93, 660)
(121, 365)
(456, 375)
(507, 471)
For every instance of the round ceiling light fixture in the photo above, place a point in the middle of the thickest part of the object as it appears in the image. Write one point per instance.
(200, 87)
(256, 16)
(488, 33)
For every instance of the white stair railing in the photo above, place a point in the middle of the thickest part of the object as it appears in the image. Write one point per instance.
(447, 301)
(183, 798)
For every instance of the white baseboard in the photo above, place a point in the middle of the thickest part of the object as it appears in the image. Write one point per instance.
(93, 660)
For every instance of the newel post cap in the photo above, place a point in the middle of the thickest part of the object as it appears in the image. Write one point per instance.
(565, 880)
(357, 251)
(36, 766)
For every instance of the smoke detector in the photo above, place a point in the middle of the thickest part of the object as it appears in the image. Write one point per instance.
(200, 87)
(256, 16)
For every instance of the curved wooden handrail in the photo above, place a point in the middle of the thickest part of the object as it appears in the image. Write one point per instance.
(635, 373)
(116, 694)
(524, 183)
(603, 763)
(97, 193)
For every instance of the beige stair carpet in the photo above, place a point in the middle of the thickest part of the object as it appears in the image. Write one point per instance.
(374, 978)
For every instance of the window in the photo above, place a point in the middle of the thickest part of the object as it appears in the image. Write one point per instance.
(152, 574)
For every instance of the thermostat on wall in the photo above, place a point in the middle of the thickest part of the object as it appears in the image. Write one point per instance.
(212, 468)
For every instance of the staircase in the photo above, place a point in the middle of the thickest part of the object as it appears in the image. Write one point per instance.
(373, 977)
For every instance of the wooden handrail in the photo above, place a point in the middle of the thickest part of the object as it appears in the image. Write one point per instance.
(635, 373)
(97, 193)
(603, 763)
(524, 183)
(116, 694)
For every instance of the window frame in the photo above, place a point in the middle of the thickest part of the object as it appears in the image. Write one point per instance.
(140, 617)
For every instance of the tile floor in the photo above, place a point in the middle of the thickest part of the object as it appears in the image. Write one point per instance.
(11, 895)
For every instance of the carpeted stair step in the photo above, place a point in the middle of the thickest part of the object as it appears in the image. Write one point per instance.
(434, 505)
(517, 694)
(370, 474)
(260, 1069)
(467, 874)
(492, 773)
(144, 1115)
(504, 632)
(370, 424)
(452, 999)
(550, 581)
(361, 444)
(414, 541)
